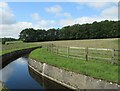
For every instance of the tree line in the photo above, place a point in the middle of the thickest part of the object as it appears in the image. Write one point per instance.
(3, 40)
(95, 30)
(8, 39)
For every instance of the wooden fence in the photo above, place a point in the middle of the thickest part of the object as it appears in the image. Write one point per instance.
(86, 53)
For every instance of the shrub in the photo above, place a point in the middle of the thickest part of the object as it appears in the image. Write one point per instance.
(3, 42)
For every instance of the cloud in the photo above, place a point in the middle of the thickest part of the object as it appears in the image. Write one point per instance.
(3, 5)
(65, 22)
(21, 61)
(42, 23)
(63, 15)
(6, 72)
(110, 13)
(45, 24)
(88, 19)
(6, 15)
(98, 5)
(68, 15)
(54, 9)
(13, 30)
(57, 10)
(79, 20)
(88, 0)
(36, 17)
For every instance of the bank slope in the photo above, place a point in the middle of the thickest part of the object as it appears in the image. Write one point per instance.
(99, 70)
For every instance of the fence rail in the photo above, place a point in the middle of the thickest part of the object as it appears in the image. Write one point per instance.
(85, 53)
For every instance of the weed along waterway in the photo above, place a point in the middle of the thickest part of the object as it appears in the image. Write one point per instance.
(18, 75)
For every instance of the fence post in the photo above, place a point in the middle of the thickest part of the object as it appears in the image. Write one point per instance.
(113, 55)
(67, 51)
(56, 50)
(86, 53)
(47, 47)
(51, 47)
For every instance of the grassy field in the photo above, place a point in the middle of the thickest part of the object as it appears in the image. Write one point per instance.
(92, 68)
(16, 45)
(93, 43)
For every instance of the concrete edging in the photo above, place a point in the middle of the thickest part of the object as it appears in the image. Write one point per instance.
(9, 57)
(70, 79)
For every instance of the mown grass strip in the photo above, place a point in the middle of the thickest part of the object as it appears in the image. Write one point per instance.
(93, 68)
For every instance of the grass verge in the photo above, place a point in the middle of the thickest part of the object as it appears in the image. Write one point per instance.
(12, 46)
(100, 70)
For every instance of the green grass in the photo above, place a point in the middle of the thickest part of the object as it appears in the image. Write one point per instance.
(80, 53)
(12, 46)
(93, 43)
(92, 68)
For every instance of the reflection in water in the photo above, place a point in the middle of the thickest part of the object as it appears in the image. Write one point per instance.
(46, 83)
(6, 74)
(18, 75)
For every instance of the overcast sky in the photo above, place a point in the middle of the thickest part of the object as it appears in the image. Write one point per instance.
(15, 16)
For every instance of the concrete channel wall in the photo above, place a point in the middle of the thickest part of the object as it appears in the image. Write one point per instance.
(69, 78)
(9, 57)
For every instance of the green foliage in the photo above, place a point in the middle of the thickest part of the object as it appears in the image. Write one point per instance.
(8, 39)
(96, 30)
(51, 34)
(96, 69)
(3, 42)
(28, 35)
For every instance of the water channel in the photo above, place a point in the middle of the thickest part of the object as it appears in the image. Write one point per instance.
(18, 75)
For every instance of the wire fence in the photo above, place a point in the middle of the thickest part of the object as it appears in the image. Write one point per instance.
(85, 53)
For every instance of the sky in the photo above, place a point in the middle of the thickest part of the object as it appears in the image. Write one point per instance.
(16, 16)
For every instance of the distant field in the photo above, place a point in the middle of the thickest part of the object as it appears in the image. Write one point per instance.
(94, 43)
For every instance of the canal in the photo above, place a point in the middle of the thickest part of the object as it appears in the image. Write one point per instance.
(18, 75)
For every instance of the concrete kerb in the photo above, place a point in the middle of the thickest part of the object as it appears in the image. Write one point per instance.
(70, 79)
(9, 57)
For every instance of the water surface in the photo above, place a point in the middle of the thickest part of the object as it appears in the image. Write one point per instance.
(18, 75)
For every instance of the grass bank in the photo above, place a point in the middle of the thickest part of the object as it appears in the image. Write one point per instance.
(92, 68)
(12, 46)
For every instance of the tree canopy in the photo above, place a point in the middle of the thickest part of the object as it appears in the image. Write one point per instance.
(95, 30)
(8, 39)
